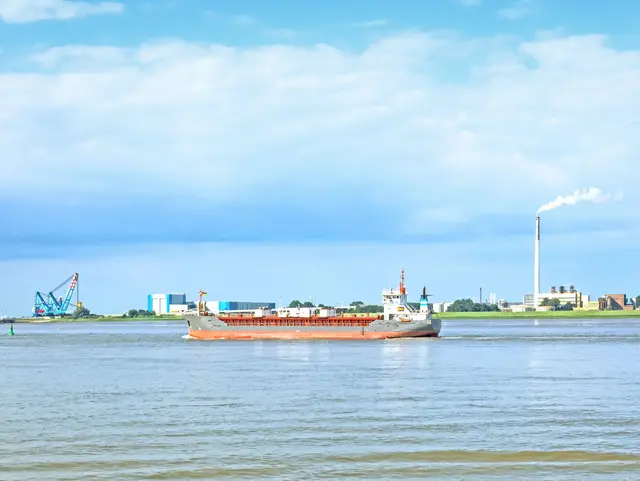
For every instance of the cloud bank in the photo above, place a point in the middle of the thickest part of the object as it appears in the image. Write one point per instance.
(418, 132)
(27, 11)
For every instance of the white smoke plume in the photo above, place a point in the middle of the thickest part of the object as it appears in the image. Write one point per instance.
(592, 194)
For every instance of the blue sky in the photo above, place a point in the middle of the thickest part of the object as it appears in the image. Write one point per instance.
(265, 149)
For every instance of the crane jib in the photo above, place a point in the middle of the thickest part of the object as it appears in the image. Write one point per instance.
(51, 306)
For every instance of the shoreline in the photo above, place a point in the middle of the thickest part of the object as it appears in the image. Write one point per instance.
(35, 320)
(441, 315)
(540, 315)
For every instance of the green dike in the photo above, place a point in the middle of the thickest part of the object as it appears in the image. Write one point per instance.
(540, 315)
(128, 319)
(37, 320)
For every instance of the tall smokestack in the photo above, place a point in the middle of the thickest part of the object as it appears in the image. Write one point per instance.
(536, 264)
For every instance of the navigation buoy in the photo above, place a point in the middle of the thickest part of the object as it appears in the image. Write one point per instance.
(11, 330)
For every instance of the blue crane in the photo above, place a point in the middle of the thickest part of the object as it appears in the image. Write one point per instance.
(48, 305)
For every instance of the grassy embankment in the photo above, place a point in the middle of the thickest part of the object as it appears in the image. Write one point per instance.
(541, 315)
(100, 319)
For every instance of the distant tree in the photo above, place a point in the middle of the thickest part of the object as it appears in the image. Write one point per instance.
(356, 304)
(294, 304)
(467, 305)
(461, 305)
(81, 312)
(308, 304)
(139, 313)
(555, 304)
(366, 309)
(637, 302)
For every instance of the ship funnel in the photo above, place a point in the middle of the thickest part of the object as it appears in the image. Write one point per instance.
(424, 300)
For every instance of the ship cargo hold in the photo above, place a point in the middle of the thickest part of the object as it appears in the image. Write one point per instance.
(399, 319)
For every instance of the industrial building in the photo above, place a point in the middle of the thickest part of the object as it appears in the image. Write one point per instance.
(580, 301)
(615, 302)
(237, 306)
(572, 296)
(167, 303)
(440, 306)
(577, 299)
(176, 303)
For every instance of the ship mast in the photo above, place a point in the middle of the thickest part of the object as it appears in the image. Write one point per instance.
(402, 288)
(201, 305)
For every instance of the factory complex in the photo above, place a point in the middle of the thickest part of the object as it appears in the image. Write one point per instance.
(178, 304)
(555, 298)
(579, 301)
(561, 298)
(558, 298)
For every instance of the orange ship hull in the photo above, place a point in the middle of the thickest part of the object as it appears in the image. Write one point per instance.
(275, 334)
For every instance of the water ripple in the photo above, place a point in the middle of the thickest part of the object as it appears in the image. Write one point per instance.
(510, 401)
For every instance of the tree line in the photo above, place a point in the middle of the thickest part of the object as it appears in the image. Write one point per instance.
(468, 305)
(356, 306)
(359, 307)
(556, 305)
(82, 312)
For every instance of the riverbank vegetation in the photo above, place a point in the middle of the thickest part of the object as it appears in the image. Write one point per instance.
(82, 314)
(468, 309)
(468, 305)
(559, 314)
(97, 318)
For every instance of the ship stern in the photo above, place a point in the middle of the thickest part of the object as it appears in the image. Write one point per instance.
(425, 327)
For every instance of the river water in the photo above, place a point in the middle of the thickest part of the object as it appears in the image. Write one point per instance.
(489, 400)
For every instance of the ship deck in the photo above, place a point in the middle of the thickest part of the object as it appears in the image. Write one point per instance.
(275, 321)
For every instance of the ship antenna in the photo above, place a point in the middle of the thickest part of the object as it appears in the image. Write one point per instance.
(402, 289)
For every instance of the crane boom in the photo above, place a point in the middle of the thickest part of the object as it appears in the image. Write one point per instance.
(67, 299)
(50, 306)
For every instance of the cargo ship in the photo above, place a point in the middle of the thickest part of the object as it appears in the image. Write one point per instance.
(399, 319)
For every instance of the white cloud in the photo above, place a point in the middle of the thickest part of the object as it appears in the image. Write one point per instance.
(518, 10)
(26, 11)
(519, 123)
